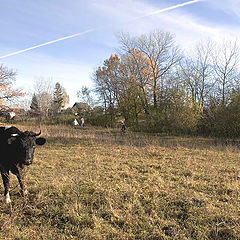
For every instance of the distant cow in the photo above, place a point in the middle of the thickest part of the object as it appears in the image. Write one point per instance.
(16, 152)
(10, 116)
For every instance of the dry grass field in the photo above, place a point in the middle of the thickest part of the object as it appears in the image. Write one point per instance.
(98, 184)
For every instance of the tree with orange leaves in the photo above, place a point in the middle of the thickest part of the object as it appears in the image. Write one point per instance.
(137, 66)
(161, 54)
(8, 95)
(123, 85)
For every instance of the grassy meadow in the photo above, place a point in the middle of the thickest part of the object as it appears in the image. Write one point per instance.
(99, 184)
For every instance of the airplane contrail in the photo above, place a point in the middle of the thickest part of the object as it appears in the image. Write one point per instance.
(47, 43)
(94, 29)
(167, 9)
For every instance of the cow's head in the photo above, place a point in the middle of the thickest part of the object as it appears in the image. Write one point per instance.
(25, 144)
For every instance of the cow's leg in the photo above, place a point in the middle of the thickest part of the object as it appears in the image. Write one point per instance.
(20, 173)
(20, 178)
(6, 183)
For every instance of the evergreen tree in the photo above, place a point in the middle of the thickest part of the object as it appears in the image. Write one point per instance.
(58, 98)
(35, 105)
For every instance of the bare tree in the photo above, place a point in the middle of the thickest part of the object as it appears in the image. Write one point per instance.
(85, 95)
(196, 72)
(226, 67)
(43, 89)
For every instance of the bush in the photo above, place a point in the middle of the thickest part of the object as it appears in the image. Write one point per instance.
(61, 119)
(102, 120)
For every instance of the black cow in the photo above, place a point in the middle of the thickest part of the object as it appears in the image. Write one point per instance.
(16, 152)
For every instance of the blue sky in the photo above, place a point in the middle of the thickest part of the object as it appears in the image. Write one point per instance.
(27, 23)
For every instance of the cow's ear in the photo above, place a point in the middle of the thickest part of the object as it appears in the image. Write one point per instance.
(11, 140)
(40, 141)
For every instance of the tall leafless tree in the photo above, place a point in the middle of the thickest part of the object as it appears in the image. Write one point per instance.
(43, 89)
(226, 67)
(196, 72)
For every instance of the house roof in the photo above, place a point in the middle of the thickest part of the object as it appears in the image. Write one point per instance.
(81, 105)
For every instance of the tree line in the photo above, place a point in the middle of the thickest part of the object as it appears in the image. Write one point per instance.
(48, 101)
(155, 86)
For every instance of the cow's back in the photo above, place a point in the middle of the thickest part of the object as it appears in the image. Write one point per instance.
(8, 131)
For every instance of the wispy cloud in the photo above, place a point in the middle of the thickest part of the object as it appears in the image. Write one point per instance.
(187, 27)
(91, 30)
(167, 9)
(229, 6)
